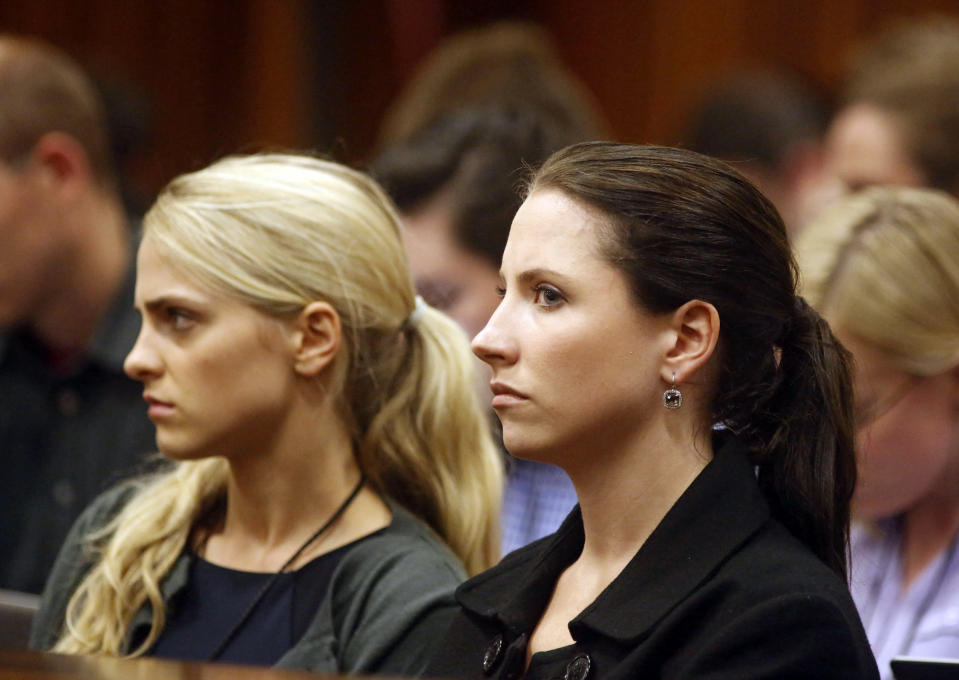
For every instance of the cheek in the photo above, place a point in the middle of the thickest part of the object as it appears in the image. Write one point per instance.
(901, 459)
(239, 380)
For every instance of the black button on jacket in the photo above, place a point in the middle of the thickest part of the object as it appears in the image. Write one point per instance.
(720, 590)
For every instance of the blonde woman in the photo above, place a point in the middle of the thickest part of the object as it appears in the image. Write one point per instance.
(323, 432)
(883, 267)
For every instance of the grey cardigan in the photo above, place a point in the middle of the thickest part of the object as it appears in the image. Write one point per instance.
(388, 602)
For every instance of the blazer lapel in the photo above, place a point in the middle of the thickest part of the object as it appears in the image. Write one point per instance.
(719, 511)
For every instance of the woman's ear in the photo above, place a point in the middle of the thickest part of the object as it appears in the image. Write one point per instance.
(317, 335)
(696, 328)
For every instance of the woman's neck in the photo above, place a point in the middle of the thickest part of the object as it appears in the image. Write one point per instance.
(277, 499)
(625, 496)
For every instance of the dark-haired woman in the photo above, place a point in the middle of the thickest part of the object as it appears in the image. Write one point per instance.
(649, 297)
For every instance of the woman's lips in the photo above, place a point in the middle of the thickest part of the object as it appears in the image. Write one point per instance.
(505, 396)
(158, 408)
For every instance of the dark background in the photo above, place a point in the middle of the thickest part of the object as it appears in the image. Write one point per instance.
(239, 75)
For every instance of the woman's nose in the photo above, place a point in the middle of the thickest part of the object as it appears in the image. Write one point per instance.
(142, 362)
(494, 344)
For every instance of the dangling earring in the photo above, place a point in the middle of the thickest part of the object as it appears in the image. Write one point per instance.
(672, 398)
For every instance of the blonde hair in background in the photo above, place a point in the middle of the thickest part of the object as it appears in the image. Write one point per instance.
(280, 231)
(883, 264)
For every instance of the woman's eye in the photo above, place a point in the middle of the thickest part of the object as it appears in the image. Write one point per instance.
(547, 296)
(500, 291)
(179, 319)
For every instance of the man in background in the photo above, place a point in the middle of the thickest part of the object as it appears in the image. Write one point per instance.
(769, 126)
(71, 422)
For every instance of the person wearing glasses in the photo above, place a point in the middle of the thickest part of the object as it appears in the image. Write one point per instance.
(882, 266)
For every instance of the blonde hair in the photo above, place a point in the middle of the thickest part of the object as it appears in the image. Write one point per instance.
(883, 264)
(278, 232)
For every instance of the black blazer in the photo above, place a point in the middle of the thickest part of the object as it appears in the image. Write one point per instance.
(719, 590)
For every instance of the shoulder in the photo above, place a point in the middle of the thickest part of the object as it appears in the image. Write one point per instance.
(76, 557)
(781, 613)
(389, 600)
(106, 506)
(76, 549)
(406, 555)
(774, 561)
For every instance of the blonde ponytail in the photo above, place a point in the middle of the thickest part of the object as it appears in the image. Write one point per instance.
(140, 546)
(425, 446)
(279, 232)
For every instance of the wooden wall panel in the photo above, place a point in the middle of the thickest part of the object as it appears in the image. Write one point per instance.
(229, 75)
(223, 75)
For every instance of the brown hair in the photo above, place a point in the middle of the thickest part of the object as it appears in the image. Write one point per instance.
(911, 72)
(508, 64)
(43, 90)
(684, 226)
(477, 155)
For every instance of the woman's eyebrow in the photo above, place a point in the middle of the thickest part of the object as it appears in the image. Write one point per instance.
(537, 273)
(171, 299)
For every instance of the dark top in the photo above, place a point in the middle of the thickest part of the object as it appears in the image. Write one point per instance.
(386, 604)
(215, 598)
(66, 434)
(719, 590)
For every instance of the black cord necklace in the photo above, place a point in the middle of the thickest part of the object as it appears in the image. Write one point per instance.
(220, 648)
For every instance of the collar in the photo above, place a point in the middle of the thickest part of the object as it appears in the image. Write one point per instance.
(720, 510)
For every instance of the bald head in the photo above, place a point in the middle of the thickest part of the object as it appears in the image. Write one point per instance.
(43, 90)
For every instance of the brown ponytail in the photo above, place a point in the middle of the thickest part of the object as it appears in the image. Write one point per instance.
(684, 226)
(805, 468)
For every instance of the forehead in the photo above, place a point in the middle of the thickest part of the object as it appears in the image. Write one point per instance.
(157, 276)
(867, 147)
(550, 225)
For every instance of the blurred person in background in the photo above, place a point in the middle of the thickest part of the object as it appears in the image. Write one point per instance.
(324, 435)
(70, 420)
(507, 64)
(485, 104)
(769, 126)
(455, 184)
(899, 118)
(882, 266)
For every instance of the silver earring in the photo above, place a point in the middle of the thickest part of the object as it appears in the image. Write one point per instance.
(672, 398)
